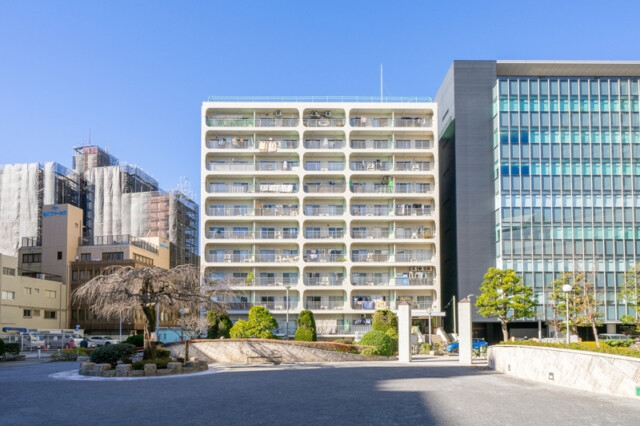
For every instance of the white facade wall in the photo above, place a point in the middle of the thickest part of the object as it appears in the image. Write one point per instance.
(268, 168)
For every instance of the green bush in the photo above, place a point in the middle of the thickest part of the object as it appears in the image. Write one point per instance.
(219, 324)
(370, 352)
(260, 325)
(12, 348)
(136, 340)
(393, 333)
(306, 320)
(139, 365)
(1, 347)
(380, 340)
(304, 334)
(345, 341)
(425, 348)
(68, 354)
(384, 319)
(162, 353)
(618, 343)
(111, 354)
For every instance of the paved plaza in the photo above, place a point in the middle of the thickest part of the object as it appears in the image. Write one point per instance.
(431, 391)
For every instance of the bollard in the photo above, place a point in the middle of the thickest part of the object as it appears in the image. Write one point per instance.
(38, 353)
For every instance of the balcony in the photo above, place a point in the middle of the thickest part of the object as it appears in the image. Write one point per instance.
(371, 188)
(276, 281)
(370, 257)
(414, 257)
(278, 257)
(368, 121)
(239, 121)
(277, 188)
(324, 305)
(324, 210)
(347, 329)
(414, 232)
(277, 234)
(409, 210)
(369, 165)
(275, 145)
(371, 144)
(322, 257)
(412, 122)
(369, 305)
(324, 166)
(371, 280)
(324, 281)
(370, 211)
(230, 235)
(285, 166)
(413, 144)
(229, 257)
(230, 188)
(324, 122)
(370, 233)
(316, 233)
(324, 188)
(280, 210)
(413, 166)
(412, 188)
(324, 143)
(271, 305)
(230, 143)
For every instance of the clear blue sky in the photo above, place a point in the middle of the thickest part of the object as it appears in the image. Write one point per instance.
(135, 73)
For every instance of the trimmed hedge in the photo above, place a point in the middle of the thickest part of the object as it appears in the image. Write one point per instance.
(111, 354)
(370, 352)
(619, 343)
(68, 354)
(383, 320)
(605, 349)
(136, 340)
(382, 342)
(304, 334)
(162, 353)
(393, 333)
(307, 321)
(12, 348)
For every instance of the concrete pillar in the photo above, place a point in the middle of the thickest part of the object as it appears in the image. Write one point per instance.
(465, 337)
(611, 328)
(404, 332)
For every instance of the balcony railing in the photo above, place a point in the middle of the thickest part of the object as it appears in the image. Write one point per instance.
(230, 188)
(324, 166)
(282, 188)
(348, 329)
(229, 258)
(229, 144)
(369, 122)
(271, 305)
(370, 233)
(371, 188)
(313, 234)
(412, 122)
(323, 281)
(413, 144)
(250, 122)
(413, 233)
(370, 305)
(324, 188)
(371, 281)
(277, 211)
(231, 167)
(323, 122)
(274, 145)
(277, 235)
(231, 235)
(277, 258)
(277, 122)
(388, 281)
(230, 282)
(371, 144)
(370, 211)
(109, 240)
(412, 188)
(421, 166)
(324, 143)
(276, 281)
(369, 166)
(370, 257)
(329, 304)
(413, 211)
(229, 211)
(420, 305)
(314, 258)
(413, 257)
(324, 211)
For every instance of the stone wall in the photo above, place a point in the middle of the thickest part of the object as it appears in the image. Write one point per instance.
(260, 350)
(581, 370)
(126, 370)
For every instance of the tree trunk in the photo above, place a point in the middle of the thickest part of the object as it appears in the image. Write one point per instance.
(149, 329)
(505, 332)
(186, 351)
(595, 333)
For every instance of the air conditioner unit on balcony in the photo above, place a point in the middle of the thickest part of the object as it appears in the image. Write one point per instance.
(278, 113)
(278, 283)
(327, 114)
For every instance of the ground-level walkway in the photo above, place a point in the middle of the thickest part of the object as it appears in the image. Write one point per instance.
(432, 391)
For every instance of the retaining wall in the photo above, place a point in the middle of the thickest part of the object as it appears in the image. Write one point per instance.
(241, 350)
(586, 371)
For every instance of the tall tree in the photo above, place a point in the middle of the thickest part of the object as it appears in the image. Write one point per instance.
(505, 297)
(628, 291)
(122, 289)
(588, 303)
(558, 303)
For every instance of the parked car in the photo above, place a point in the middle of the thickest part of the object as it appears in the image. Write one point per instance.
(101, 341)
(477, 344)
(30, 340)
(62, 340)
(613, 336)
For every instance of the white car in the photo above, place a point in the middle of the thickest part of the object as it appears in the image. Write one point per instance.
(101, 341)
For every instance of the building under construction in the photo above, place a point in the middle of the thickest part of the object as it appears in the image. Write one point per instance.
(117, 199)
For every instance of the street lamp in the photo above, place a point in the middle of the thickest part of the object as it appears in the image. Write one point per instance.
(429, 313)
(287, 287)
(567, 288)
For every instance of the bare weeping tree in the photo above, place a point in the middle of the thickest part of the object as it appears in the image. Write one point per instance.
(123, 288)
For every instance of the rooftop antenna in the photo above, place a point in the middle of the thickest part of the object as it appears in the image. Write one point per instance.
(381, 83)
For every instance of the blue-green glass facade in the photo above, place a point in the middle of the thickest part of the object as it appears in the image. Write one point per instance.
(567, 180)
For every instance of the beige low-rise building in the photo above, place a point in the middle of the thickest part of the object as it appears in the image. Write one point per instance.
(38, 302)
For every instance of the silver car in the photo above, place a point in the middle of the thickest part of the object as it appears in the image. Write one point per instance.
(101, 341)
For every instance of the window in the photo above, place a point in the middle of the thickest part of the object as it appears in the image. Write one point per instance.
(85, 256)
(50, 314)
(50, 294)
(8, 271)
(26, 313)
(36, 291)
(27, 290)
(142, 259)
(32, 258)
(74, 276)
(115, 255)
(9, 295)
(59, 255)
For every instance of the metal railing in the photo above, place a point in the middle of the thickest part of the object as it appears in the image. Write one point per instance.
(371, 281)
(329, 304)
(324, 188)
(109, 240)
(413, 257)
(420, 305)
(369, 166)
(230, 188)
(414, 233)
(324, 143)
(282, 188)
(413, 166)
(369, 305)
(413, 144)
(349, 329)
(370, 257)
(229, 258)
(370, 211)
(323, 166)
(278, 257)
(341, 99)
(274, 145)
(369, 121)
(250, 122)
(371, 144)
(230, 282)
(229, 212)
(230, 235)
(370, 233)
(231, 167)
(229, 144)
(276, 211)
(323, 122)
(324, 211)
(284, 166)
(413, 211)
(314, 258)
(280, 305)
(277, 122)
(371, 188)
(412, 122)
(311, 234)
(276, 281)
(323, 281)
(277, 235)
(412, 188)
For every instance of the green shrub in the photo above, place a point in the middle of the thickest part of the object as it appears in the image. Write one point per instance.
(68, 354)
(139, 365)
(260, 325)
(219, 324)
(306, 320)
(111, 354)
(345, 341)
(304, 334)
(425, 348)
(1, 347)
(162, 353)
(393, 333)
(136, 340)
(370, 352)
(12, 348)
(618, 343)
(380, 340)
(383, 320)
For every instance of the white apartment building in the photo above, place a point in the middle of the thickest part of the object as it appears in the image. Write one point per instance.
(333, 203)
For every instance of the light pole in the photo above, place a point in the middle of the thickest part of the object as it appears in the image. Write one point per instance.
(287, 287)
(429, 313)
(567, 288)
